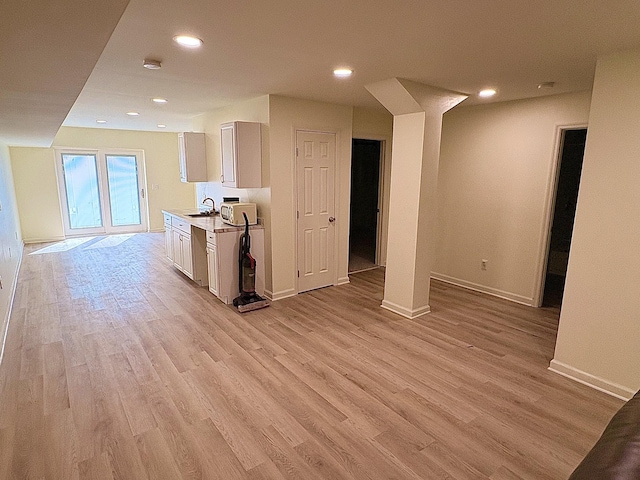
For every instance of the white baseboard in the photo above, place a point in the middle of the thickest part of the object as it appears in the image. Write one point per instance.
(613, 389)
(280, 295)
(292, 292)
(44, 240)
(405, 312)
(12, 296)
(483, 289)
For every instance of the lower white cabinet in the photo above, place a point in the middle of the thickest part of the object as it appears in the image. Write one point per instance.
(168, 238)
(223, 250)
(182, 252)
(212, 263)
(188, 250)
(211, 257)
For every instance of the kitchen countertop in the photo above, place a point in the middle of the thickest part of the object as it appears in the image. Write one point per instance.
(211, 223)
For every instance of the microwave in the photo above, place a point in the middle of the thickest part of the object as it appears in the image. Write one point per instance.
(231, 213)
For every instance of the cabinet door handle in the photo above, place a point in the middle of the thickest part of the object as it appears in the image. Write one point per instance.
(221, 178)
(332, 219)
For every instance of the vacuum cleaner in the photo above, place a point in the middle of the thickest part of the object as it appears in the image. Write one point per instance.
(248, 299)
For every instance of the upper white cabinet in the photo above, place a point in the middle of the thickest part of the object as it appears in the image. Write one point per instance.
(193, 161)
(241, 152)
(188, 249)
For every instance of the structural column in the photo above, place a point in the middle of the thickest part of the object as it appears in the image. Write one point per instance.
(417, 111)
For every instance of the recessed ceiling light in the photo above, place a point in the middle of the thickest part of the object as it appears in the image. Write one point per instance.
(487, 92)
(188, 41)
(151, 64)
(101, 121)
(159, 100)
(343, 72)
(161, 125)
(133, 114)
(546, 85)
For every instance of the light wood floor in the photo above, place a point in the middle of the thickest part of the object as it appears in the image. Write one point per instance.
(117, 366)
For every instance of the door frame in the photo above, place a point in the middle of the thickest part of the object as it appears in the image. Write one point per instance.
(551, 193)
(336, 202)
(143, 194)
(383, 181)
(103, 186)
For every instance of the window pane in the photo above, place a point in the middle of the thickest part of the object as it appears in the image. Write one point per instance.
(122, 172)
(81, 185)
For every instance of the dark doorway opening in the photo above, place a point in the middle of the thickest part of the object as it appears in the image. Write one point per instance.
(573, 143)
(365, 188)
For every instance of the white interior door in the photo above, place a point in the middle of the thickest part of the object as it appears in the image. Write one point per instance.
(315, 171)
(102, 191)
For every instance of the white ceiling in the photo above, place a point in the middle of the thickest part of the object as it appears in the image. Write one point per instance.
(290, 47)
(47, 51)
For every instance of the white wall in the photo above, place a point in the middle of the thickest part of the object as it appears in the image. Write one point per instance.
(37, 189)
(286, 115)
(10, 241)
(495, 164)
(599, 333)
(34, 175)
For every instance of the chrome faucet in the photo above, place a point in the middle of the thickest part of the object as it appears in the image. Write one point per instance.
(212, 203)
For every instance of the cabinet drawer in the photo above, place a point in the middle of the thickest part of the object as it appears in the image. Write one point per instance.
(167, 219)
(211, 238)
(180, 224)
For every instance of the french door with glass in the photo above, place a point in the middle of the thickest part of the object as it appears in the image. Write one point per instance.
(102, 191)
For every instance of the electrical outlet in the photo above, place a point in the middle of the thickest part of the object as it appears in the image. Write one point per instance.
(483, 264)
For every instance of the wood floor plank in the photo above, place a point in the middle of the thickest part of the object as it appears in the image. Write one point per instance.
(133, 401)
(9, 386)
(156, 455)
(96, 468)
(60, 449)
(186, 449)
(263, 401)
(29, 440)
(265, 471)
(56, 394)
(83, 408)
(232, 414)
(118, 367)
(298, 398)
(455, 466)
(7, 440)
(188, 404)
(286, 459)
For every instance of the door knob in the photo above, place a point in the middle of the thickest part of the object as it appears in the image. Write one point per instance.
(332, 219)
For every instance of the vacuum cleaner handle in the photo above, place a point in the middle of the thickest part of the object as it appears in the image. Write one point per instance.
(246, 232)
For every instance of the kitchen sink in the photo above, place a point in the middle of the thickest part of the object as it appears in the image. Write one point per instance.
(201, 214)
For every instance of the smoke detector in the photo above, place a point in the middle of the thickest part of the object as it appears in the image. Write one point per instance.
(152, 64)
